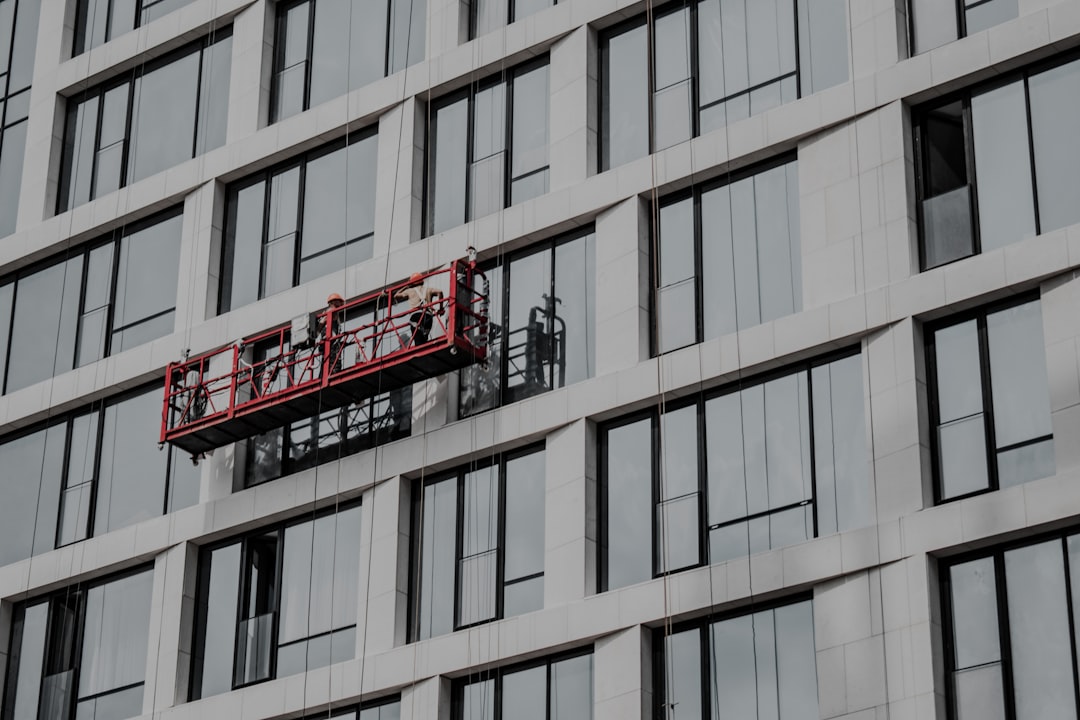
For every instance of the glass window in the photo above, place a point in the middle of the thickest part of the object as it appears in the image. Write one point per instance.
(1010, 650)
(934, 22)
(990, 400)
(299, 221)
(98, 21)
(489, 15)
(548, 690)
(18, 36)
(81, 652)
(713, 64)
(471, 179)
(278, 602)
(757, 665)
(380, 38)
(744, 237)
(543, 336)
(483, 557)
(996, 164)
(177, 111)
(735, 472)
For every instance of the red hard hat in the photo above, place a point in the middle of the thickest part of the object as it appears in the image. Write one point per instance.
(334, 297)
(416, 277)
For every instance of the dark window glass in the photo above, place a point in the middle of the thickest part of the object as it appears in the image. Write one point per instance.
(98, 21)
(276, 603)
(490, 147)
(542, 326)
(1009, 644)
(380, 37)
(742, 240)
(81, 653)
(990, 400)
(482, 557)
(934, 22)
(713, 64)
(18, 36)
(757, 665)
(176, 111)
(545, 690)
(996, 165)
(309, 217)
(729, 473)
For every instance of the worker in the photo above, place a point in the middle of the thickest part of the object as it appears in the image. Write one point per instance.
(420, 298)
(335, 320)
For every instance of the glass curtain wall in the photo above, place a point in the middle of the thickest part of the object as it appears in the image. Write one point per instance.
(18, 42)
(547, 690)
(98, 21)
(936, 22)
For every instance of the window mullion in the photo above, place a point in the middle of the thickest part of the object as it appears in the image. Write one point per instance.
(1003, 636)
(988, 402)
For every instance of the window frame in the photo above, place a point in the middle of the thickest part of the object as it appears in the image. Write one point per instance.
(81, 14)
(266, 176)
(511, 16)
(702, 625)
(930, 329)
(997, 553)
(694, 194)
(458, 475)
(961, 24)
(114, 238)
(496, 675)
(505, 77)
(699, 400)
(202, 588)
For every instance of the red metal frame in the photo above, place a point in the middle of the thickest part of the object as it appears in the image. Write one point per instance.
(223, 384)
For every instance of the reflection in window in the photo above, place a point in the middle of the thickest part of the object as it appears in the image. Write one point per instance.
(988, 177)
(744, 237)
(100, 300)
(278, 602)
(172, 110)
(18, 36)
(81, 653)
(548, 690)
(754, 666)
(98, 21)
(489, 147)
(713, 64)
(325, 48)
(480, 557)
(303, 219)
(934, 22)
(990, 400)
(542, 327)
(96, 470)
(735, 472)
(489, 15)
(1010, 650)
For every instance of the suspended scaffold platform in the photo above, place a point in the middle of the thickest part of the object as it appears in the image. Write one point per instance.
(376, 343)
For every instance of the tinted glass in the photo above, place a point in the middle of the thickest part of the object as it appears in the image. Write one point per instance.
(23, 45)
(962, 449)
(438, 540)
(1055, 98)
(146, 283)
(974, 613)
(524, 694)
(450, 158)
(407, 33)
(43, 329)
(489, 15)
(214, 667)
(933, 24)
(676, 297)
(26, 662)
(1018, 374)
(243, 239)
(115, 635)
(575, 288)
(671, 99)
(479, 546)
(525, 495)
(678, 513)
(683, 655)
(478, 700)
(27, 462)
(629, 504)
(528, 362)
(12, 147)
(530, 134)
(988, 14)
(131, 483)
(163, 117)
(214, 96)
(845, 498)
(823, 47)
(571, 691)
(625, 98)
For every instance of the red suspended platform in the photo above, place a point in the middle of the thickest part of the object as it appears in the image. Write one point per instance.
(297, 371)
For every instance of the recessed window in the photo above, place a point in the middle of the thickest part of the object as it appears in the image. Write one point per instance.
(300, 220)
(98, 21)
(82, 652)
(998, 164)
(712, 64)
(760, 664)
(489, 15)
(18, 33)
(166, 112)
(729, 257)
(87, 473)
(375, 710)
(489, 147)
(325, 48)
(936, 22)
(989, 400)
(479, 545)
(542, 324)
(1010, 617)
(277, 602)
(761, 465)
(547, 690)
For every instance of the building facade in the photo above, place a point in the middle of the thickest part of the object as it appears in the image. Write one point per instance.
(782, 413)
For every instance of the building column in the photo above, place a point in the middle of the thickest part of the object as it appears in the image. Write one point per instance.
(172, 611)
(1060, 298)
(426, 700)
(383, 607)
(570, 513)
(622, 675)
(249, 84)
(622, 286)
(573, 110)
(200, 256)
(399, 193)
(447, 26)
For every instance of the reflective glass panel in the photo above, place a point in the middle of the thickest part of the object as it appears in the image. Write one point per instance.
(629, 546)
(1055, 100)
